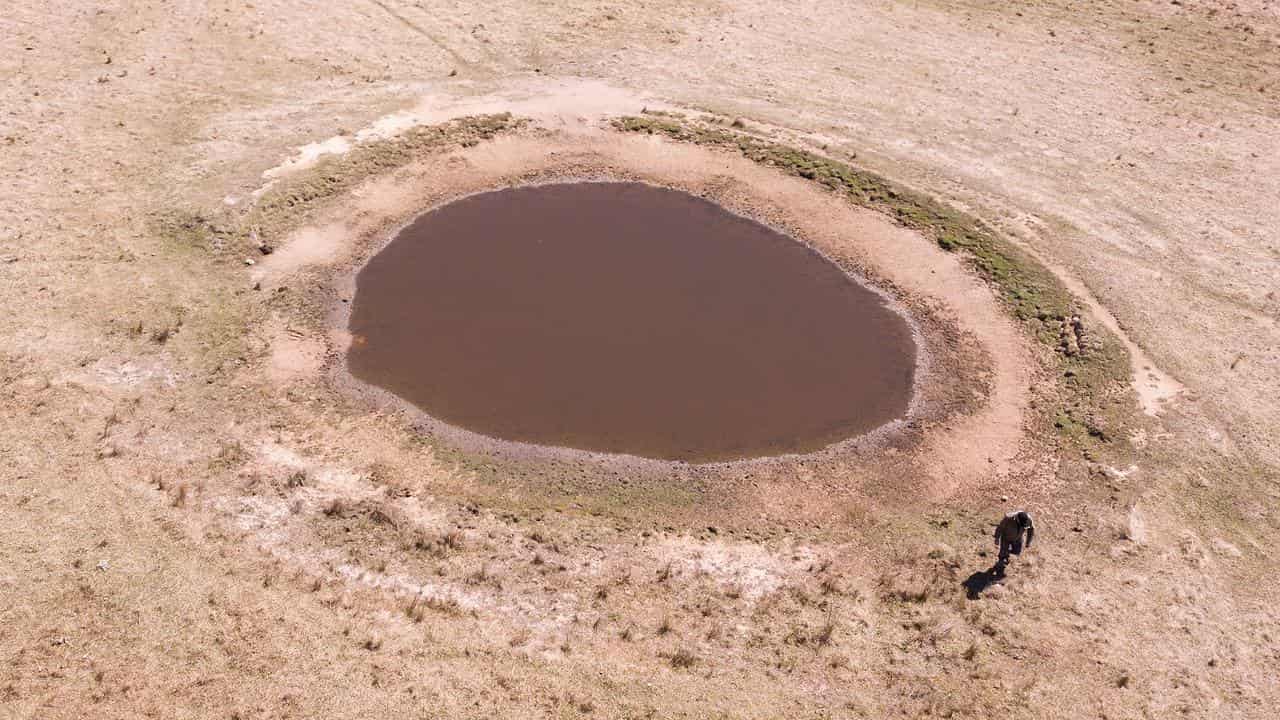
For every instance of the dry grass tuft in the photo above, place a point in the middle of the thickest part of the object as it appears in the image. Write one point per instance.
(483, 576)
(912, 586)
(417, 608)
(382, 514)
(683, 659)
(665, 626)
(437, 546)
(180, 496)
(230, 455)
(830, 585)
(824, 635)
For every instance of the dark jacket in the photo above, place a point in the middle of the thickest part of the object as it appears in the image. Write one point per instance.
(1010, 529)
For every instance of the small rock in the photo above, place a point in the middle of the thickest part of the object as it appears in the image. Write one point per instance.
(1135, 529)
(250, 261)
(255, 240)
(453, 73)
(1222, 547)
(102, 566)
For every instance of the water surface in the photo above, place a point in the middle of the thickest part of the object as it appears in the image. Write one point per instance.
(626, 318)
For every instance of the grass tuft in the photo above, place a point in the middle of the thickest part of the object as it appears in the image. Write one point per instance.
(683, 659)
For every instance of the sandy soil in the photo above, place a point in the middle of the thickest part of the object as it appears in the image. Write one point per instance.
(197, 521)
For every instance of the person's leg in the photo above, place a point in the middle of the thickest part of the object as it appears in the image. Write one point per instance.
(1003, 558)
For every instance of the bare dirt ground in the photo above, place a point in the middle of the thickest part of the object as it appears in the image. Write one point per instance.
(198, 520)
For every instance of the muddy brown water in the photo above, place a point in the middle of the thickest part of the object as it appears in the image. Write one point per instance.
(626, 318)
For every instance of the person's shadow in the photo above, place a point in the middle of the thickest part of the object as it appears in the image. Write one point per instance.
(980, 581)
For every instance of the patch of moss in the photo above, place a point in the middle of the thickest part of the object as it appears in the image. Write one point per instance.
(1030, 291)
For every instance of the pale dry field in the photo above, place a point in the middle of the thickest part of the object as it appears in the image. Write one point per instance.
(199, 518)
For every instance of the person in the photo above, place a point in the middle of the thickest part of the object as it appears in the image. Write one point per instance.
(1009, 537)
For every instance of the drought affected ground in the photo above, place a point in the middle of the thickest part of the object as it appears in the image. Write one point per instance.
(203, 514)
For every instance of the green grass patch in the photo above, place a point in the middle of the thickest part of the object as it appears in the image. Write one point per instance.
(283, 206)
(292, 201)
(1031, 293)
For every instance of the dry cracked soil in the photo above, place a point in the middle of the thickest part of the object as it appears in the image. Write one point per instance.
(203, 515)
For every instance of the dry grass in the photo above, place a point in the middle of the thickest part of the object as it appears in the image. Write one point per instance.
(683, 659)
(665, 626)
(437, 545)
(184, 611)
(830, 585)
(483, 576)
(417, 608)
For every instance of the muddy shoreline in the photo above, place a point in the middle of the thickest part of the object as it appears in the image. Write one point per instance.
(950, 379)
